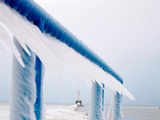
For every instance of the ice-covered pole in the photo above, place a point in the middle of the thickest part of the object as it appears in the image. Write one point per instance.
(97, 102)
(116, 106)
(26, 94)
(115, 111)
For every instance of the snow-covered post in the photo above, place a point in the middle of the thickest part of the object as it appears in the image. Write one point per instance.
(97, 102)
(25, 87)
(115, 113)
(116, 106)
(103, 112)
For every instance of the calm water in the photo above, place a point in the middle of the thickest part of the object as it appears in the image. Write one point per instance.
(66, 112)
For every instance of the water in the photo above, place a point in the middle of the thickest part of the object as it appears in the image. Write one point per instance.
(67, 112)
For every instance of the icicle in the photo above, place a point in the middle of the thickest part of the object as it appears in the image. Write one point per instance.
(97, 102)
(8, 44)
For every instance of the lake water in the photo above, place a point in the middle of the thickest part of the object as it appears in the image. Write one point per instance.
(67, 112)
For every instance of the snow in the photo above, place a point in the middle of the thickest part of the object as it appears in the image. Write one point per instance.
(130, 113)
(66, 113)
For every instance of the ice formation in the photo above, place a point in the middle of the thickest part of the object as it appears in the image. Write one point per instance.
(114, 112)
(51, 48)
(97, 102)
(37, 40)
(23, 87)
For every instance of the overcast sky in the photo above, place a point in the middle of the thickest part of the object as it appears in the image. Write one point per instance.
(126, 34)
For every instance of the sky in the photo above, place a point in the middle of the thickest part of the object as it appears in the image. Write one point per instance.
(123, 33)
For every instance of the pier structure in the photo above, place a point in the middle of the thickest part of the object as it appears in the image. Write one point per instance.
(27, 83)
